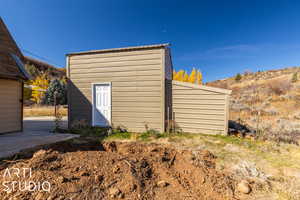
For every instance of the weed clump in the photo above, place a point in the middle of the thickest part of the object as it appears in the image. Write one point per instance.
(238, 77)
(81, 127)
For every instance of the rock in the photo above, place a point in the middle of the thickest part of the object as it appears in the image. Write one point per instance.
(162, 184)
(113, 192)
(232, 148)
(244, 187)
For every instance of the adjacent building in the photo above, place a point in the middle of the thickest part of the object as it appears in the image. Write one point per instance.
(12, 76)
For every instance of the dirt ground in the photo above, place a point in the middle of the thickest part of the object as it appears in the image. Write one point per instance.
(114, 170)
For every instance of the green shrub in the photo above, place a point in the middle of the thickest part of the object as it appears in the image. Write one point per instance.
(151, 133)
(90, 131)
(81, 127)
(238, 77)
(295, 77)
(120, 129)
(120, 135)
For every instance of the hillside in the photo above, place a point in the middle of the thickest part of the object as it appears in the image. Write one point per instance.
(39, 68)
(42, 76)
(267, 101)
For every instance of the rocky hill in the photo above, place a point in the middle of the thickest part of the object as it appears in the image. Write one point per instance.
(267, 101)
(40, 68)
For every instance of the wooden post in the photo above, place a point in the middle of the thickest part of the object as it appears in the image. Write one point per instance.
(168, 119)
(55, 109)
(174, 123)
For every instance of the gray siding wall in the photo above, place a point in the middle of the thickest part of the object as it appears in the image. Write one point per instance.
(10, 105)
(199, 111)
(168, 101)
(137, 79)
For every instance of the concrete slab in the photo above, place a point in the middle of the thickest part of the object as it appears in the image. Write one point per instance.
(37, 131)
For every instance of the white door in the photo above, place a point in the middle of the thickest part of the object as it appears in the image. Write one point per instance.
(101, 104)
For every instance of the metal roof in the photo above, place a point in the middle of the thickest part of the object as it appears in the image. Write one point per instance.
(202, 87)
(13, 70)
(11, 65)
(121, 49)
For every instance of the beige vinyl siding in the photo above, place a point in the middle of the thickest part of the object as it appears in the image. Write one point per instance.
(200, 109)
(136, 78)
(10, 105)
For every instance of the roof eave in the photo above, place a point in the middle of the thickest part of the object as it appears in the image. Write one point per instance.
(203, 87)
(10, 77)
(120, 49)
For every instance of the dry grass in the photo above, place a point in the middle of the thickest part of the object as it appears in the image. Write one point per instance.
(38, 111)
(279, 86)
(270, 106)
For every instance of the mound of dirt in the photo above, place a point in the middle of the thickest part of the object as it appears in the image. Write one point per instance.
(113, 170)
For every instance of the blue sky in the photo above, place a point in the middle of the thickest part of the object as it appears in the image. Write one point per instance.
(220, 37)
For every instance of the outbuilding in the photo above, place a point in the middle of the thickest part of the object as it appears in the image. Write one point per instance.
(199, 108)
(132, 88)
(123, 87)
(12, 75)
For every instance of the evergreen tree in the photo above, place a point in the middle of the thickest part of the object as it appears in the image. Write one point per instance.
(59, 88)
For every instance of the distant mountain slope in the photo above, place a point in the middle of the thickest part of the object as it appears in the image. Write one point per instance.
(250, 76)
(268, 101)
(40, 68)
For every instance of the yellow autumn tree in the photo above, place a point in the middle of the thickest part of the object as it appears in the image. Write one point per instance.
(39, 87)
(174, 74)
(199, 77)
(178, 76)
(185, 77)
(193, 76)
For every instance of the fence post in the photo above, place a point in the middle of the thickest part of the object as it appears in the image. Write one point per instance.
(55, 109)
(168, 119)
(174, 123)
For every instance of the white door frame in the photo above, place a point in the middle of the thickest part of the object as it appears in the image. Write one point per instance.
(93, 98)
